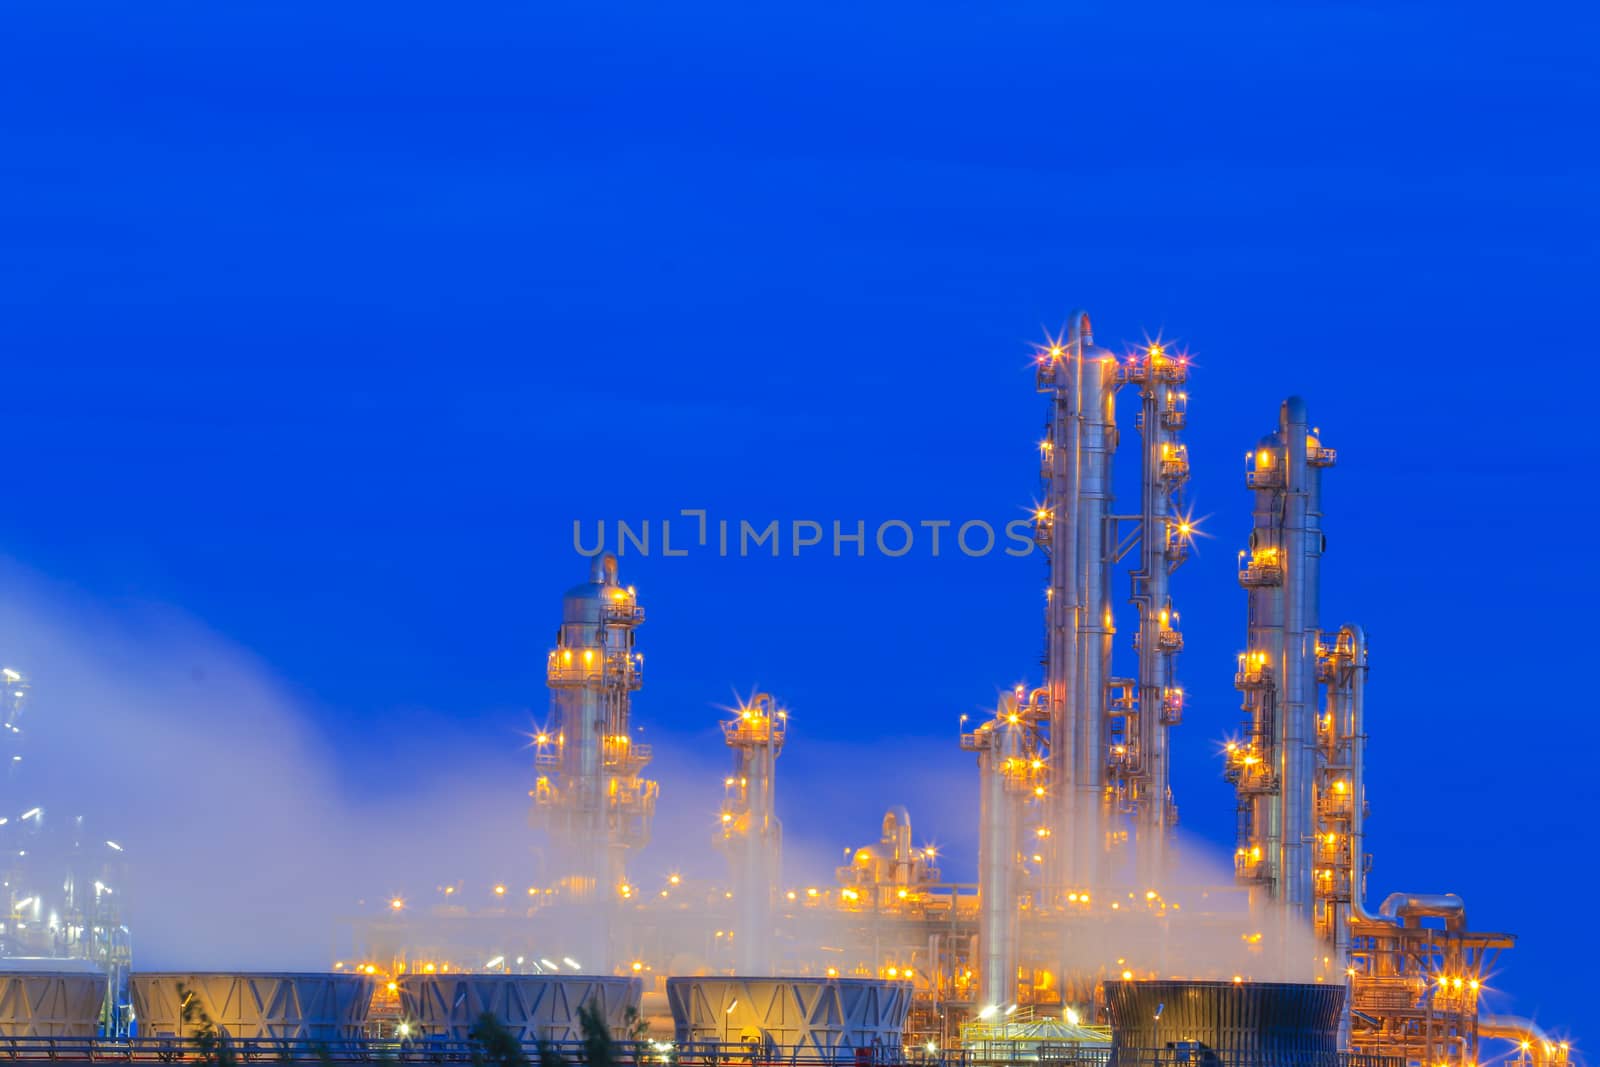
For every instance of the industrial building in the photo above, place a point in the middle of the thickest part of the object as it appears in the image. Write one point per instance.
(1069, 936)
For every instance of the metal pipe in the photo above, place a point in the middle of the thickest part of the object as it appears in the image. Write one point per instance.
(1298, 757)
(1265, 641)
(998, 742)
(1059, 375)
(1358, 774)
(751, 833)
(1405, 907)
(590, 796)
(1164, 470)
(1098, 426)
(1522, 1030)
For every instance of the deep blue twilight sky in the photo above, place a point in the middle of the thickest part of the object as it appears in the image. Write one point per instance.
(322, 323)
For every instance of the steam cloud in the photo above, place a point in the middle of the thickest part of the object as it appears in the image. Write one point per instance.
(246, 846)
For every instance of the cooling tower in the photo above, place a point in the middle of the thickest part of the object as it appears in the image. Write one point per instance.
(307, 1007)
(50, 1003)
(532, 1006)
(797, 1017)
(1285, 1024)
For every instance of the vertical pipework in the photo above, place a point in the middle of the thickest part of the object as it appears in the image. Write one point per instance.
(1288, 770)
(1255, 764)
(1060, 375)
(1003, 763)
(589, 793)
(1354, 730)
(751, 835)
(1098, 377)
(1299, 732)
(1163, 543)
(1343, 665)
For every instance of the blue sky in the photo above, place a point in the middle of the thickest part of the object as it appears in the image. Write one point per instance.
(321, 324)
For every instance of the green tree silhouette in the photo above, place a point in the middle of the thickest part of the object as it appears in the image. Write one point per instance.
(210, 1044)
(598, 1048)
(548, 1056)
(496, 1046)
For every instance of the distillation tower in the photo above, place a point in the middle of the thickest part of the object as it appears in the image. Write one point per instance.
(1081, 763)
(1275, 766)
(1298, 767)
(1161, 540)
(1107, 736)
(590, 793)
(750, 834)
(1012, 752)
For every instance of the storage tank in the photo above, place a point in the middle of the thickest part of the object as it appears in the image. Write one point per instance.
(51, 1003)
(244, 1006)
(1282, 1023)
(531, 1006)
(803, 1018)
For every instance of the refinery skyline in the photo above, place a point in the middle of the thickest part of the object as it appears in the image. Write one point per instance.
(313, 365)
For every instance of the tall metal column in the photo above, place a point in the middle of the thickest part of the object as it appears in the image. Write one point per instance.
(750, 834)
(589, 793)
(1276, 766)
(1056, 530)
(1164, 536)
(1095, 629)
(1010, 774)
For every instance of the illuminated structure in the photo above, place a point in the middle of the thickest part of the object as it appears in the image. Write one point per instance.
(1284, 1024)
(532, 1007)
(1011, 774)
(50, 1003)
(255, 1006)
(1299, 770)
(749, 832)
(1105, 738)
(1081, 763)
(1276, 767)
(810, 1019)
(590, 795)
(1075, 810)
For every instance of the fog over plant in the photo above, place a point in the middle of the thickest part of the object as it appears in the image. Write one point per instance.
(251, 841)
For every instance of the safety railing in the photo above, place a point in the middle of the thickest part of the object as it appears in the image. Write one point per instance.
(172, 1050)
(1259, 574)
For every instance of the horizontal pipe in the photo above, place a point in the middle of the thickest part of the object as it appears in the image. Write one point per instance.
(1542, 1049)
(1446, 906)
(1512, 1028)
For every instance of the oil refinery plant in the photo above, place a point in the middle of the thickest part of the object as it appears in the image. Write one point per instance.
(1070, 937)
